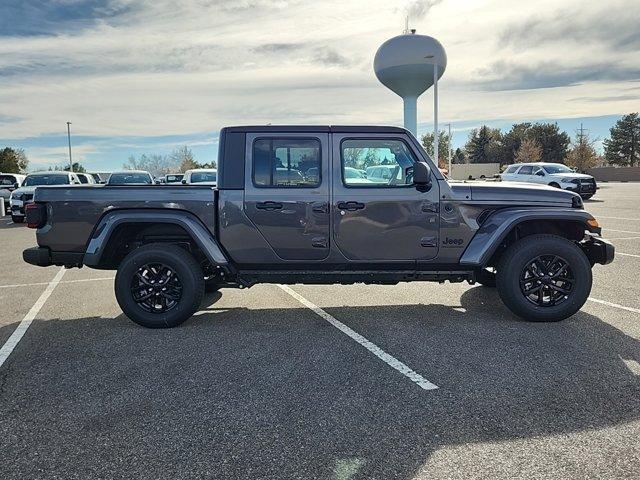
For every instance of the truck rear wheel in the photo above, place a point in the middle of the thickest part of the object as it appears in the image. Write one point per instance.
(159, 285)
(544, 278)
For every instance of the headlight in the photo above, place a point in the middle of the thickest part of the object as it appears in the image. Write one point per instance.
(567, 180)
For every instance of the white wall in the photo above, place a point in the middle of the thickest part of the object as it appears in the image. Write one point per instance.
(461, 171)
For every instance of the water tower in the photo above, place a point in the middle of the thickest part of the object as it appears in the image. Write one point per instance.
(408, 65)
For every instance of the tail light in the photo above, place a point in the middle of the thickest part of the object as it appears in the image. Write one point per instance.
(36, 214)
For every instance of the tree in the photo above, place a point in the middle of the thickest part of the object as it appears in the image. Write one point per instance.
(483, 145)
(156, 165)
(582, 154)
(77, 168)
(623, 148)
(529, 151)
(458, 156)
(443, 147)
(553, 142)
(13, 160)
(511, 142)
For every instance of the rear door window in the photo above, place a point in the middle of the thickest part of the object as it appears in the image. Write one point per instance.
(7, 180)
(526, 170)
(286, 162)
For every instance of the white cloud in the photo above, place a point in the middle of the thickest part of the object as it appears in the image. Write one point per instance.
(162, 67)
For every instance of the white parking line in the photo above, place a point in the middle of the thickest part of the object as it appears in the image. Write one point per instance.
(18, 333)
(372, 347)
(614, 305)
(17, 285)
(627, 254)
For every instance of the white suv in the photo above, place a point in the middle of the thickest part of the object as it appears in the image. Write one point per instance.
(553, 174)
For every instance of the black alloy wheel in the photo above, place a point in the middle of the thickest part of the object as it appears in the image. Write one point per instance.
(156, 288)
(159, 285)
(544, 278)
(547, 280)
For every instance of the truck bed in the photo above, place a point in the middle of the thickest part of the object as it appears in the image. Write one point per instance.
(69, 229)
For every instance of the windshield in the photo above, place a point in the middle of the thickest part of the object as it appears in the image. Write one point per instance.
(199, 177)
(354, 173)
(7, 180)
(126, 178)
(557, 168)
(45, 179)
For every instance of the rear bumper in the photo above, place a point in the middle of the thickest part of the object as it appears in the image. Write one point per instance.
(598, 249)
(43, 257)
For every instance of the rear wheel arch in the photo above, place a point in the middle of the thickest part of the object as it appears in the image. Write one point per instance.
(119, 233)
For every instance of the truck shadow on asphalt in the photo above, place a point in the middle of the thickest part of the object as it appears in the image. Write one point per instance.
(239, 393)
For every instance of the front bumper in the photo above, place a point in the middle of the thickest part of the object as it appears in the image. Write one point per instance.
(598, 249)
(17, 208)
(43, 257)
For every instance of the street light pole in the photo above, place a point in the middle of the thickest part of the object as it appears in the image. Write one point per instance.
(449, 151)
(435, 112)
(69, 138)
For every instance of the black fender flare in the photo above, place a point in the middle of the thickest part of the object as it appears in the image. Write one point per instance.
(188, 221)
(498, 225)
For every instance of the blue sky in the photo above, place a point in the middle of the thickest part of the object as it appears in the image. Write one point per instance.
(147, 76)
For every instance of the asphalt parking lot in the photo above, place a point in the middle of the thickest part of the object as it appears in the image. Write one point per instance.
(267, 383)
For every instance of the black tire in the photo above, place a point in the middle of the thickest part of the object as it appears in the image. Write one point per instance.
(554, 184)
(513, 268)
(587, 197)
(15, 219)
(486, 278)
(184, 269)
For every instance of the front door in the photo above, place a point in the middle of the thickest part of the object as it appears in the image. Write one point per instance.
(286, 195)
(378, 215)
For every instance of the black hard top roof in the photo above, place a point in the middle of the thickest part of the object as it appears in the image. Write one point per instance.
(317, 128)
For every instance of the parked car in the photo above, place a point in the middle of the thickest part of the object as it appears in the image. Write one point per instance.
(381, 173)
(22, 196)
(8, 183)
(537, 244)
(173, 178)
(201, 176)
(553, 174)
(86, 178)
(130, 177)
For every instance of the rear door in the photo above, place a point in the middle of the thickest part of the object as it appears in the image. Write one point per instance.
(525, 174)
(381, 217)
(286, 193)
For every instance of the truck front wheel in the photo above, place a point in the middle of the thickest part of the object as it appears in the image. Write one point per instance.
(544, 278)
(159, 285)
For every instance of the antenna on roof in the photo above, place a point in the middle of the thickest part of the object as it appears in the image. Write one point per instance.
(406, 25)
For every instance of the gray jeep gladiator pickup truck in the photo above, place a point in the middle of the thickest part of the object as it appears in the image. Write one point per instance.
(301, 204)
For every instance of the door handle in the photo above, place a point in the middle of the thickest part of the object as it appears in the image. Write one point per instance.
(269, 205)
(351, 206)
(320, 207)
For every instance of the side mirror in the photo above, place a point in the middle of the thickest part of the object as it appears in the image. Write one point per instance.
(422, 176)
(183, 181)
(16, 185)
(540, 173)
